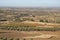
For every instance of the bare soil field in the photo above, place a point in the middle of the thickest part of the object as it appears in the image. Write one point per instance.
(31, 35)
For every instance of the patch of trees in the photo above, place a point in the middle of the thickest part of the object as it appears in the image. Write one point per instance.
(43, 20)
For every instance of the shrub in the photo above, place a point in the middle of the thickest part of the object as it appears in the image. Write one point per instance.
(17, 39)
(31, 39)
(24, 39)
(41, 20)
(11, 39)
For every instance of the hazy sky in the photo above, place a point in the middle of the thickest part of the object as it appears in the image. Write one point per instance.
(29, 3)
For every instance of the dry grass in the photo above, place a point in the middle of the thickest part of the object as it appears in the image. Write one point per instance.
(32, 24)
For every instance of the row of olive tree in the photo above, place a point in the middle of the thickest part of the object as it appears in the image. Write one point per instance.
(29, 28)
(5, 38)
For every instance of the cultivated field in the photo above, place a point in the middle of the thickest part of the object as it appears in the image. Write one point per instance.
(29, 24)
(30, 35)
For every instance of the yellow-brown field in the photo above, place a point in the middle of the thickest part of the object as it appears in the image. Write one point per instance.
(28, 35)
(32, 24)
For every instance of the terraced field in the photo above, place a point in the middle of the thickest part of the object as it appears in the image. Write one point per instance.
(33, 24)
(30, 35)
(30, 31)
